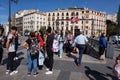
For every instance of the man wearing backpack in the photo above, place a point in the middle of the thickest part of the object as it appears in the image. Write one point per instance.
(10, 50)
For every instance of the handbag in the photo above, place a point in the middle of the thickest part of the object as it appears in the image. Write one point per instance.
(74, 51)
(41, 58)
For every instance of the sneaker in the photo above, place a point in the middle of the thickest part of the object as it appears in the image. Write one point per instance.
(16, 58)
(13, 72)
(29, 74)
(60, 57)
(7, 72)
(49, 72)
(35, 74)
(47, 69)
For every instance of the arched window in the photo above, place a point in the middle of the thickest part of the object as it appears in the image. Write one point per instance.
(53, 14)
(62, 23)
(67, 14)
(77, 13)
(72, 14)
(62, 14)
(57, 14)
(49, 14)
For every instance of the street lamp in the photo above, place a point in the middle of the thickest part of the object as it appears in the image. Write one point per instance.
(9, 18)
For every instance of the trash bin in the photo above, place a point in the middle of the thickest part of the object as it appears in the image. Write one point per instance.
(110, 50)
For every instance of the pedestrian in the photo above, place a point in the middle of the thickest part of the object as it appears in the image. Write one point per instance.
(49, 44)
(10, 50)
(116, 67)
(32, 46)
(66, 43)
(16, 44)
(102, 46)
(41, 54)
(80, 42)
(116, 39)
(61, 42)
(1, 44)
(69, 42)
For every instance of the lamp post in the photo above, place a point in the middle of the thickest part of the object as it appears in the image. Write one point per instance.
(9, 8)
(9, 18)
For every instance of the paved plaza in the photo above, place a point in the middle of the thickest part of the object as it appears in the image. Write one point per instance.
(64, 69)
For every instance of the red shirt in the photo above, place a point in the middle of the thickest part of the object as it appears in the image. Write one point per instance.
(41, 41)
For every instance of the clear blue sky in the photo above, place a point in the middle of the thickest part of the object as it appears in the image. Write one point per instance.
(108, 6)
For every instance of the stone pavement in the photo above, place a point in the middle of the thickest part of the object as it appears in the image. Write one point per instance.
(64, 69)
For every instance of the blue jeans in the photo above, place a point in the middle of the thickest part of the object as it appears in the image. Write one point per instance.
(30, 62)
(81, 49)
(61, 48)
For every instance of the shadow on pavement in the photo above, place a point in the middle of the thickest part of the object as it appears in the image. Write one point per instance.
(94, 75)
(71, 56)
(18, 62)
(19, 54)
(109, 75)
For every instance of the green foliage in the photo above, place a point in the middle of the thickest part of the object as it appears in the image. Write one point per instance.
(26, 31)
(111, 27)
(43, 29)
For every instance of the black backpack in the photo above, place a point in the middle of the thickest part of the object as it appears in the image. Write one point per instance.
(34, 48)
(5, 41)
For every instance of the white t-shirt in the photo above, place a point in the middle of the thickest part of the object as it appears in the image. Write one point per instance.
(81, 39)
(12, 43)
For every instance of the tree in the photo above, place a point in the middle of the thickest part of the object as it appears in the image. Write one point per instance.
(111, 27)
(118, 16)
(26, 31)
(43, 29)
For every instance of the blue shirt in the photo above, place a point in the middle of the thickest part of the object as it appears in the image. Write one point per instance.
(103, 42)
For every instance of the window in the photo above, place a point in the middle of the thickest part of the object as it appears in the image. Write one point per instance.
(77, 13)
(49, 24)
(62, 17)
(53, 23)
(62, 28)
(66, 28)
(82, 11)
(82, 21)
(57, 14)
(48, 18)
(67, 14)
(86, 32)
(53, 18)
(72, 14)
(62, 14)
(62, 23)
(49, 14)
(67, 18)
(86, 27)
(87, 11)
(71, 28)
(53, 14)
(86, 21)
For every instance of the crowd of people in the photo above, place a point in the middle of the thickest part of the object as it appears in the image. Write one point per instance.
(41, 47)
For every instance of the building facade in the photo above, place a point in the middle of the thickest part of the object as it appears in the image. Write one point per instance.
(34, 21)
(23, 20)
(112, 17)
(91, 22)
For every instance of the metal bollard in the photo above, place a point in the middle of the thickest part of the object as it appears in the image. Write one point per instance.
(110, 50)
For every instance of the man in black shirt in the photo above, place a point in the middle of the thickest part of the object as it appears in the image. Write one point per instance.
(49, 44)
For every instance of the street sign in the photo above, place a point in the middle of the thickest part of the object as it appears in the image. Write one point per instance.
(74, 19)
